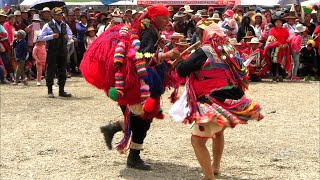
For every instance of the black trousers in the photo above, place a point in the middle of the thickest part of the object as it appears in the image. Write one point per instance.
(139, 127)
(56, 64)
(277, 70)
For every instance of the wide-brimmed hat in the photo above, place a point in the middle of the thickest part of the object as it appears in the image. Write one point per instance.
(255, 40)
(300, 28)
(46, 9)
(183, 42)
(3, 13)
(176, 35)
(215, 16)
(91, 28)
(234, 41)
(32, 9)
(17, 13)
(36, 17)
(263, 17)
(179, 15)
(249, 35)
(278, 16)
(291, 17)
(170, 9)
(188, 8)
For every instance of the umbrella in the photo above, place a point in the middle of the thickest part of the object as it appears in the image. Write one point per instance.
(40, 4)
(285, 2)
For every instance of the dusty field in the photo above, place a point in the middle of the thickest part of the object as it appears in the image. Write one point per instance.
(45, 138)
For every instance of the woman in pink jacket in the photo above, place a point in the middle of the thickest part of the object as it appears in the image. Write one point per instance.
(295, 46)
(39, 53)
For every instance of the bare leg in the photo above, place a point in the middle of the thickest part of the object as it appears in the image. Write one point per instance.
(217, 149)
(203, 156)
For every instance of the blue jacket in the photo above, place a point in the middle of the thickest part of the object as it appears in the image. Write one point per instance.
(20, 49)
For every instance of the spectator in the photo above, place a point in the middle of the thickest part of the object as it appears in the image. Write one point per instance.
(258, 26)
(21, 50)
(25, 18)
(40, 54)
(305, 38)
(180, 25)
(169, 30)
(57, 34)
(18, 23)
(77, 13)
(105, 24)
(295, 46)
(245, 28)
(45, 15)
(290, 25)
(72, 21)
(90, 36)
(308, 59)
(307, 22)
(9, 27)
(82, 28)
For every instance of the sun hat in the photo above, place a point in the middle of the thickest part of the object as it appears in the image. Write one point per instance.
(203, 24)
(179, 15)
(36, 17)
(3, 13)
(176, 35)
(263, 17)
(188, 8)
(215, 16)
(170, 9)
(300, 28)
(255, 40)
(234, 41)
(17, 13)
(291, 17)
(249, 35)
(278, 16)
(46, 9)
(183, 42)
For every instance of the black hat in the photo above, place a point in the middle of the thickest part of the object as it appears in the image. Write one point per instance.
(278, 16)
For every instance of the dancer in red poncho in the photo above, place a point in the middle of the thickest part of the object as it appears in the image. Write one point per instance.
(126, 63)
(277, 50)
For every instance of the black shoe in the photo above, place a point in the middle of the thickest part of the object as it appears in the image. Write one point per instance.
(64, 94)
(108, 133)
(280, 79)
(50, 95)
(134, 161)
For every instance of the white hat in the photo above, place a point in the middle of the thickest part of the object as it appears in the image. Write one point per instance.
(36, 17)
(176, 35)
(215, 16)
(314, 12)
(17, 13)
(197, 15)
(188, 8)
(46, 9)
(300, 28)
(255, 40)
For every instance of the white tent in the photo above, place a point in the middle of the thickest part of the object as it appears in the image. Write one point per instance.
(89, 3)
(259, 3)
(124, 3)
(28, 2)
(310, 2)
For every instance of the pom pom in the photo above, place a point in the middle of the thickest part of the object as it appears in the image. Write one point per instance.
(149, 105)
(113, 94)
(136, 42)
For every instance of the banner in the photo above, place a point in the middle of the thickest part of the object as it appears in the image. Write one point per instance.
(189, 2)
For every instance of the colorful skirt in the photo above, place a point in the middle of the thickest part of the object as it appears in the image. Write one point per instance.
(213, 116)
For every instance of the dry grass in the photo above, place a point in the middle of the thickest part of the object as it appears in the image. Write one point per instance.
(45, 138)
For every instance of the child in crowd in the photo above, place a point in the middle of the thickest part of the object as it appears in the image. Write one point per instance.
(91, 36)
(295, 46)
(258, 62)
(305, 38)
(309, 61)
(40, 54)
(21, 50)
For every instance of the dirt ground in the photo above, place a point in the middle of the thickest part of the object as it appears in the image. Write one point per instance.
(60, 138)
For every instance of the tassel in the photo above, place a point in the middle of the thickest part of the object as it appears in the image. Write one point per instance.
(117, 92)
(140, 64)
(122, 146)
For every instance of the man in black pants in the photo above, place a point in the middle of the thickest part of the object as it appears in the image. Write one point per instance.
(56, 33)
(159, 17)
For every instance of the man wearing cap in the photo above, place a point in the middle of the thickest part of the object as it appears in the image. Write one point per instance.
(180, 25)
(25, 18)
(56, 33)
